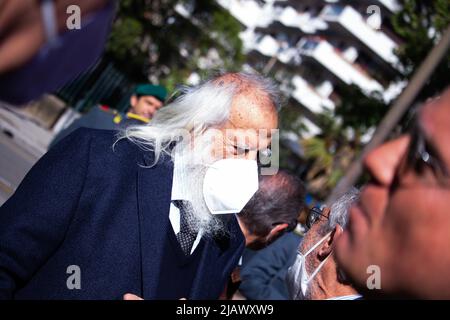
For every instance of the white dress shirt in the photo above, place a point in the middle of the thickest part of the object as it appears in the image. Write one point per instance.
(179, 192)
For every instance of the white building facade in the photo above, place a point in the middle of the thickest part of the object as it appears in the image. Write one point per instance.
(312, 46)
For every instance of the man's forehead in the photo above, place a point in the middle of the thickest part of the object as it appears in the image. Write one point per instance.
(253, 111)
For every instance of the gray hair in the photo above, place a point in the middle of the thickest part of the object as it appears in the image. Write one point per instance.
(197, 109)
(339, 210)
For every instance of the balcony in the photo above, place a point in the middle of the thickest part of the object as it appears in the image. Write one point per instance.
(264, 44)
(308, 96)
(392, 5)
(332, 60)
(289, 55)
(350, 23)
(249, 13)
(306, 23)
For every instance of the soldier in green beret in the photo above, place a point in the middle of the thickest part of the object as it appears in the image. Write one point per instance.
(144, 102)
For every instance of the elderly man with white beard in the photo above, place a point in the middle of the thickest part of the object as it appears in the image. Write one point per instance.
(150, 212)
(315, 274)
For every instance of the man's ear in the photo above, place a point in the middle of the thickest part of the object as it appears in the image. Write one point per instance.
(327, 247)
(133, 100)
(276, 232)
(326, 211)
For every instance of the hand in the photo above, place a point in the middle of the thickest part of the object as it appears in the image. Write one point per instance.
(236, 275)
(22, 30)
(130, 296)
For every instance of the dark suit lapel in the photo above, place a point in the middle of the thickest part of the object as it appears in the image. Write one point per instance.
(207, 271)
(154, 196)
(220, 256)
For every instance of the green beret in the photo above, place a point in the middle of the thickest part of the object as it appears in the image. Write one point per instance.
(158, 92)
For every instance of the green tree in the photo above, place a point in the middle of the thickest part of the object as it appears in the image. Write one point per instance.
(329, 154)
(420, 24)
(150, 40)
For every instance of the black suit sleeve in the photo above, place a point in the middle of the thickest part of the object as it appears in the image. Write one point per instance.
(33, 222)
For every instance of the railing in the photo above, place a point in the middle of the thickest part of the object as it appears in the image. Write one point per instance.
(103, 83)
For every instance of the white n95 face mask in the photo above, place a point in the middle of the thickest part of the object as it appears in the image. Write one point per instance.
(229, 184)
(297, 276)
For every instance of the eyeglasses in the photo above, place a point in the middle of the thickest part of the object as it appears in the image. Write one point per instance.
(424, 160)
(314, 215)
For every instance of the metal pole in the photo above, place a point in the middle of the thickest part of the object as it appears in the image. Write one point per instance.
(394, 115)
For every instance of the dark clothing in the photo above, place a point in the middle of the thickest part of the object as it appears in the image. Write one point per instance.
(61, 61)
(263, 272)
(177, 269)
(96, 118)
(105, 211)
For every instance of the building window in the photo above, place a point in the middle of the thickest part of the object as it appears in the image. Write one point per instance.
(333, 10)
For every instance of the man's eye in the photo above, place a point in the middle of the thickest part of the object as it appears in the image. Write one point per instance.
(239, 150)
(419, 166)
(425, 159)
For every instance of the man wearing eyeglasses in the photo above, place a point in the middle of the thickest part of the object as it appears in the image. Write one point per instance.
(401, 224)
(315, 274)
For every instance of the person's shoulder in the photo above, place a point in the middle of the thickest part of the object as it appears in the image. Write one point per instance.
(290, 240)
(286, 244)
(104, 140)
(293, 236)
(99, 135)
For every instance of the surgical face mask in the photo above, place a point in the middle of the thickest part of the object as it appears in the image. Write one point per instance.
(229, 184)
(297, 275)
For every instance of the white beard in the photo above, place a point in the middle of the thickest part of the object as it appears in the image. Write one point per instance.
(191, 174)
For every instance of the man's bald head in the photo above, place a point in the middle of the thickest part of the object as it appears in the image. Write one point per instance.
(261, 91)
(253, 111)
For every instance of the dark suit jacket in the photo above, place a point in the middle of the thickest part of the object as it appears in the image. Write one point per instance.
(263, 272)
(100, 209)
(96, 118)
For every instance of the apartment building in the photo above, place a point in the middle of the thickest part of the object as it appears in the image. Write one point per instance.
(313, 46)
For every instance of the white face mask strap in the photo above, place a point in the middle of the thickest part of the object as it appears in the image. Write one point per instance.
(317, 269)
(317, 244)
(322, 263)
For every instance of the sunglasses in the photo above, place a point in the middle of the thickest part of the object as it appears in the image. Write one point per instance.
(314, 215)
(422, 158)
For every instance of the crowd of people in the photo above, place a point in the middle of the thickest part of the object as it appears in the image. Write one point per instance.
(173, 202)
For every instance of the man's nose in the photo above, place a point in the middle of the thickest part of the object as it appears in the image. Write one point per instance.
(382, 162)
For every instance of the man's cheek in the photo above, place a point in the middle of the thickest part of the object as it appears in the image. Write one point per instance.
(415, 221)
(342, 249)
(351, 258)
(374, 201)
(403, 214)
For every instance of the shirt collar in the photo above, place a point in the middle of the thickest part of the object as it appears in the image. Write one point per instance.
(179, 191)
